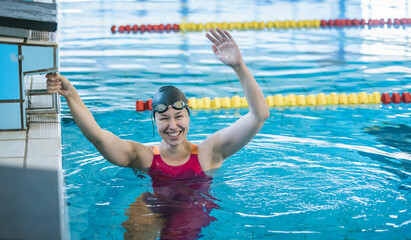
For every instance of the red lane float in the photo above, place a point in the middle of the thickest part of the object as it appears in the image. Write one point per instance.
(144, 106)
(140, 105)
(363, 22)
(396, 98)
(147, 105)
(160, 28)
(406, 97)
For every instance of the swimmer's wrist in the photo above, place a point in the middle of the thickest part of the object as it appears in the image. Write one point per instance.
(71, 92)
(238, 66)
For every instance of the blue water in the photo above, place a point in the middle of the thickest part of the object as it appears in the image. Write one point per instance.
(340, 172)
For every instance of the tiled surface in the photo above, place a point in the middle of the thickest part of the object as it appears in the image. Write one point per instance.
(42, 148)
(13, 113)
(12, 162)
(13, 135)
(48, 147)
(44, 118)
(9, 79)
(12, 148)
(44, 130)
(48, 162)
(37, 149)
(36, 57)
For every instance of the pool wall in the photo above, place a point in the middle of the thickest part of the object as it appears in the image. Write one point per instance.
(32, 197)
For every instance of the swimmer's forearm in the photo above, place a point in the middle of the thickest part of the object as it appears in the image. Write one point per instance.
(82, 116)
(254, 95)
(113, 149)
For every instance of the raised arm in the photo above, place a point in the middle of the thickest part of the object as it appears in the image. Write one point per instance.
(229, 140)
(117, 151)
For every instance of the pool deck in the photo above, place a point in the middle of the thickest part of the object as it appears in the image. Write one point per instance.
(39, 146)
(34, 155)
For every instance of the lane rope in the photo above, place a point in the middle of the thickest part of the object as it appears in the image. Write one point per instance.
(291, 100)
(254, 25)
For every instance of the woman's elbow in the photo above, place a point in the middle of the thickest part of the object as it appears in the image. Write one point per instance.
(265, 114)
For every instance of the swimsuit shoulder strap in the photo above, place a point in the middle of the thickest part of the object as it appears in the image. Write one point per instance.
(156, 151)
(194, 149)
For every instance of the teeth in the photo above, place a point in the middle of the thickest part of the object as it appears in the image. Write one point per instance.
(173, 134)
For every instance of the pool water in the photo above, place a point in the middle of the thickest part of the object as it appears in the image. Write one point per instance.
(329, 172)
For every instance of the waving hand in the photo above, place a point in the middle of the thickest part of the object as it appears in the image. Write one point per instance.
(225, 48)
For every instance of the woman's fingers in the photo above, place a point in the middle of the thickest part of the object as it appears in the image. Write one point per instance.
(216, 36)
(213, 40)
(53, 90)
(223, 34)
(53, 82)
(51, 75)
(228, 35)
(53, 85)
(219, 36)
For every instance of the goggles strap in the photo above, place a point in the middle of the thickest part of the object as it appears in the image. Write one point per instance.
(152, 122)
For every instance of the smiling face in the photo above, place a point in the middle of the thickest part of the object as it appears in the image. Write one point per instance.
(173, 125)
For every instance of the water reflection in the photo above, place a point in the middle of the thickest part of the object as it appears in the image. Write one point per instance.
(178, 209)
(398, 136)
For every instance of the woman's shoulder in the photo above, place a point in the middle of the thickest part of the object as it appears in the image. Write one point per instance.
(207, 157)
(143, 154)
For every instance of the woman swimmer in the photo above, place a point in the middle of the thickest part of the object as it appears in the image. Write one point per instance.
(175, 157)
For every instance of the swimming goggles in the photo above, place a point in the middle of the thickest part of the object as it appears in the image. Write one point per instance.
(178, 105)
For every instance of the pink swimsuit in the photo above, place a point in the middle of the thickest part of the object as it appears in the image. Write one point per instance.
(189, 169)
(181, 195)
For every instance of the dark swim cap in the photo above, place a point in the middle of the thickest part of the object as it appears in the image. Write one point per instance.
(168, 95)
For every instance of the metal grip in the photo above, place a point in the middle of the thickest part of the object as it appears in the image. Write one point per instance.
(53, 109)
